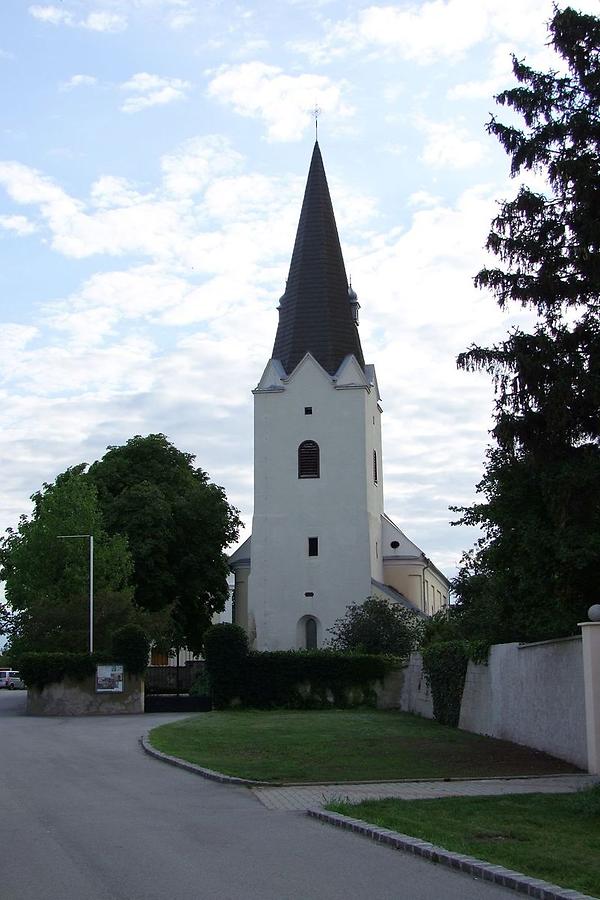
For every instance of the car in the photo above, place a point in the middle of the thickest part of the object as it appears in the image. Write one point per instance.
(10, 679)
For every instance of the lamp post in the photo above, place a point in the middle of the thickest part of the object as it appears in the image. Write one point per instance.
(91, 539)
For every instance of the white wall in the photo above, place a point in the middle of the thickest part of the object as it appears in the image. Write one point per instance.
(342, 507)
(531, 694)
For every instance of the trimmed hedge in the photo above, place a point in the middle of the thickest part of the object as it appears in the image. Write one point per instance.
(131, 648)
(41, 669)
(226, 652)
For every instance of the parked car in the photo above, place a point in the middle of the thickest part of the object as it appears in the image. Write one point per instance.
(10, 679)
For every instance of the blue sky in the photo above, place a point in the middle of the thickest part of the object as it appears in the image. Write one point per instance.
(152, 163)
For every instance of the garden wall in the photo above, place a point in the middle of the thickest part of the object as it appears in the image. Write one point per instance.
(79, 698)
(530, 694)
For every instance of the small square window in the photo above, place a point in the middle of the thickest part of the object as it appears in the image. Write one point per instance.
(308, 410)
(313, 546)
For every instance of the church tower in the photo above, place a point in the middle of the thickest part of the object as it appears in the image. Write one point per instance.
(318, 524)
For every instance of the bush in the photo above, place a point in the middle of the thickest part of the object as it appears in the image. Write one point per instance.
(130, 647)
(445, 666)
(376, 626)
(312, 679)
(40, 669)
(225, 652)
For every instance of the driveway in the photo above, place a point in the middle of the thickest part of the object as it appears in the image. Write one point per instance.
(86, 815)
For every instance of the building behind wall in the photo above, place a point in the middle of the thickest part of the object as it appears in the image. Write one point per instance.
(320, 539)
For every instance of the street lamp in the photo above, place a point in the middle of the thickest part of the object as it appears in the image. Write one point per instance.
(91, 538)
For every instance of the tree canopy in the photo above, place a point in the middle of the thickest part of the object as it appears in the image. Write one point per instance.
(47, 578)
(533, 573)
(376, 626)
(177, 524)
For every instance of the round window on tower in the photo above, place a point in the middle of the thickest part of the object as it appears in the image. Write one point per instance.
(394, 545)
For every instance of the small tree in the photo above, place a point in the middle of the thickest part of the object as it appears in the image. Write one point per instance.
(376, 626)
(225, 652)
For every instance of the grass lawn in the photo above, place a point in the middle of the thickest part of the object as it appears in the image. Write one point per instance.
(551, 836)
(340, 745)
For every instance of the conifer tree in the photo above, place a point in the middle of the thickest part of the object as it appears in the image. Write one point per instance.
(535, 569)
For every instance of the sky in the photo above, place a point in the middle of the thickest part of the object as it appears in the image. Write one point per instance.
(153, 156)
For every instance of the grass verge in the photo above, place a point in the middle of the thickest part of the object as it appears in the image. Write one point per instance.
(551, 836)
(339, 745)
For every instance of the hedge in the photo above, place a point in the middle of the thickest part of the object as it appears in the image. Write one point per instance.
(41, 669)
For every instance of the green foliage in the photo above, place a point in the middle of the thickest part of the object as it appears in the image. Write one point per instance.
(177, 525)
(130, 647)
(311, 679)
(445, 666)
(529, 575)
(41, 669)
(47, 578)
(226, 653)
(376, 626)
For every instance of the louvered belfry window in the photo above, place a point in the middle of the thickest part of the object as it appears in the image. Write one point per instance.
(308, 460)
(375, 466)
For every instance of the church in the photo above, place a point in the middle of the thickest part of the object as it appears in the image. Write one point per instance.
(320, 538)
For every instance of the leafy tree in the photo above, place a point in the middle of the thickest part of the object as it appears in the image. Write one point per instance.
(47, 579)
(531, 574)
(177, 525)
(376, 626)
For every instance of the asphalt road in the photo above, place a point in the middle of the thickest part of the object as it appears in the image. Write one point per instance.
(86, 815)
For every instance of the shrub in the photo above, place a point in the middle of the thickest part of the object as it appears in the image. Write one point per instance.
(312, 679)
(130, 647)
(376, 626)
(40, 669)
(445, 666)
(225, 652)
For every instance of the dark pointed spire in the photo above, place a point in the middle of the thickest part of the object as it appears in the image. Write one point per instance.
(315, 311)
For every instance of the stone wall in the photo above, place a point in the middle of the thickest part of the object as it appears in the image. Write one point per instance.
(531, 694)
(415, 696)
(79, 698)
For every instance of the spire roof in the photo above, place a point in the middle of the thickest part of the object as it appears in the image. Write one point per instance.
(315, 313)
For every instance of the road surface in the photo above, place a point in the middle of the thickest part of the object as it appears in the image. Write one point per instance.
(86, 815)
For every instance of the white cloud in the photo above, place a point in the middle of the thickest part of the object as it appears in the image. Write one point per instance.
(78, 81)
(19, 224)
(97, 20)
(189, 169)
(54, 15)
(283, 102)
(152, 90)
(425, 32)
(449, 145)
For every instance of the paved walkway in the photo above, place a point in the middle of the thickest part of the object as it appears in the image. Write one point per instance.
(301, 797)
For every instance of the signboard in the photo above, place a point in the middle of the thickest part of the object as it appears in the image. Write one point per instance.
(109, 679)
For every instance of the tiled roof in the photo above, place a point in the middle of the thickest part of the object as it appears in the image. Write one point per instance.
(315, 311)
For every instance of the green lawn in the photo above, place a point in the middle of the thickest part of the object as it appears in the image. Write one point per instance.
(551, 836)
(340, 745)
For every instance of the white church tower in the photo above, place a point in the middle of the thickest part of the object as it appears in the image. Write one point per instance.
(319, 528)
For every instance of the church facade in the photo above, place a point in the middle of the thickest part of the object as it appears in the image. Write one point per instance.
(320, 538)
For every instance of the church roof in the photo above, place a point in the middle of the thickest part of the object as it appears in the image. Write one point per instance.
(315, 313)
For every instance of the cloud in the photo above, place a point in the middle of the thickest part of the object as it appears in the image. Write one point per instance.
(189, 169)
(152, 90)
(78, 81)
(283, 102)
(434, 30)
(97, 20)
(19, 224)
(448, 145)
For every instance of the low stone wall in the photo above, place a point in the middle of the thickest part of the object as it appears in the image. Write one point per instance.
(79, 698)
(531, 694)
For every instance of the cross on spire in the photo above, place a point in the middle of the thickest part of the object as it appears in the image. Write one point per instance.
(316, 113)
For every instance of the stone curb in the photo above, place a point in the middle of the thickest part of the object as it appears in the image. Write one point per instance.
(523, 884)
(197, 770)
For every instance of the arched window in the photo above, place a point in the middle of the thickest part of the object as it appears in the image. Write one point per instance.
(311, 633)
(308, 460)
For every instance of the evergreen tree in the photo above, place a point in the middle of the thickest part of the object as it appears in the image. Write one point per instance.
(535, 570)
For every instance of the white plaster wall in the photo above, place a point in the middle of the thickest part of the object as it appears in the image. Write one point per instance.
(342, 507)
(531, 694)
(415, 696)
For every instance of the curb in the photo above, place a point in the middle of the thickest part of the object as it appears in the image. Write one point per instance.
(523, 884)
(197, 770)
